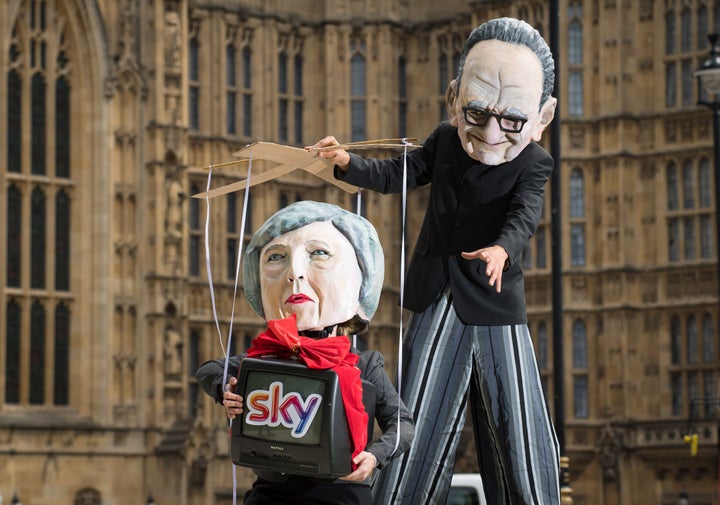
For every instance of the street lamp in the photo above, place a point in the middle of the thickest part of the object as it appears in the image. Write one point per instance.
(708, 81)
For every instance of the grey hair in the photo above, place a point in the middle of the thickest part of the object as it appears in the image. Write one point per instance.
(514, 31)
(359, 231)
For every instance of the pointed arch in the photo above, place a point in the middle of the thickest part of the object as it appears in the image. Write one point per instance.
(55, 67)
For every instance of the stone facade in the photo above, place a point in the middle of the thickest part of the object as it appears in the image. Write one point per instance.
(160, 89)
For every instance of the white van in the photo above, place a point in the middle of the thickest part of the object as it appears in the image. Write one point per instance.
(466, 489)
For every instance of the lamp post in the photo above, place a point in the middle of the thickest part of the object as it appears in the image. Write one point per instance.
(708, 80)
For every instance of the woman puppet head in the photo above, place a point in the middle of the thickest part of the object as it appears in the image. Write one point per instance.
(317, 261)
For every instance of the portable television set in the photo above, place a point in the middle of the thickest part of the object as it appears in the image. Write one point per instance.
(293, 419)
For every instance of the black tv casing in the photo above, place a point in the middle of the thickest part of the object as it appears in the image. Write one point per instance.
(327, 460)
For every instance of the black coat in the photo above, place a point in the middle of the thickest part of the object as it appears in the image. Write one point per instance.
(471, 206)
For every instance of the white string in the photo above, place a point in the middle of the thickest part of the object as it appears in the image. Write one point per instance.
(207, 259)
(226, 350)
(237, 268)
(358, 211)
(402, 292)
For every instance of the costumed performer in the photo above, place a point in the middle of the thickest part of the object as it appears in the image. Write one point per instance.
(315, 271)
(468, 330)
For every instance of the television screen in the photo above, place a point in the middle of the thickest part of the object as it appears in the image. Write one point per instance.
(293, 420)
(283, 408)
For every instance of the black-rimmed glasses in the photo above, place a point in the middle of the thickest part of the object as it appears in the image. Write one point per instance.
(480, 117)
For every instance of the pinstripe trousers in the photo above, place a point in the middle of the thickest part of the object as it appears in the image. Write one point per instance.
(517, 450)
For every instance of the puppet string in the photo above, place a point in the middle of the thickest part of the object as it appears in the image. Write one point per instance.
(226, 350)
(212, 300)
(237, 277)
(237, 267)
(207, 258)
(358, 211)
(402, 292)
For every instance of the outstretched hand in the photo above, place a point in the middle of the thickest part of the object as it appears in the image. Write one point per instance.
(339, 157)
(366, 463)
(495, 257)
(233, 403)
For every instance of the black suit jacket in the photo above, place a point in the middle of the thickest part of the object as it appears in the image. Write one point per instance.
(471, 206)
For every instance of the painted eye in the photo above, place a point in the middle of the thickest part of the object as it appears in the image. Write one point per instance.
(275, 257)
(319, 252)
(511, 123)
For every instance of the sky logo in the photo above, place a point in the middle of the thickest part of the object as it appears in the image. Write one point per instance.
(272, 408)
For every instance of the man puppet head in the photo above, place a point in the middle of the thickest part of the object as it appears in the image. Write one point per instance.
(501, 101)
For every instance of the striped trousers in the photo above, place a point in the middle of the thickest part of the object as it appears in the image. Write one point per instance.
(517, 450)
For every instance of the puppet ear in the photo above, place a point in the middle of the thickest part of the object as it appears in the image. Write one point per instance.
(450, 99)
(547, 113)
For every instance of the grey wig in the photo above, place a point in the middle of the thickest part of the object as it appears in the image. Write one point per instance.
(358, 230)
(514, 31)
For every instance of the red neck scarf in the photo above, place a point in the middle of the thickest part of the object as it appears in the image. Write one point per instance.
(281, 340)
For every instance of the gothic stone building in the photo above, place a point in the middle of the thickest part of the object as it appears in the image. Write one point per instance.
(112, 109)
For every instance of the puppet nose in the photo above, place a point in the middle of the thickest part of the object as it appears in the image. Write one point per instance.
(296, 272)
(491, 132)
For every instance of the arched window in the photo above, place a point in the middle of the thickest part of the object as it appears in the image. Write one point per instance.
(690, 204)
(193, 365)
(688, 185)
(708, 330)
(247, 91)
(577, 193)
(577, 245)
(196, 233)
(672, 187)
(693, 363)
(579, 345)
(680, 57)
(194, 82)
(692, 340)
(299, 102)
(702, 27)
(704, 183)
(358, 92)
(282, 98)
(290, 99)
(231, 88)
(61, 365)
(448, 63)
(402, 97)
(37, 218)
(673, 204)
(670, 43)
(686, 30)
(675, 341)
(575, 61)
(580, 370)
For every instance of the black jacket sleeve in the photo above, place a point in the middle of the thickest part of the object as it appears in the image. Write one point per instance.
(210, 376)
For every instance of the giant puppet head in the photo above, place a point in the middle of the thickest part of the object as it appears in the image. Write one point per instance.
(500, 100)
(319, 262)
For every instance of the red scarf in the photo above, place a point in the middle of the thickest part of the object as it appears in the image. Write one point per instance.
(281, 340)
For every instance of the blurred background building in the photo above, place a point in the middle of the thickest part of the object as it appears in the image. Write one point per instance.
(111, 109)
